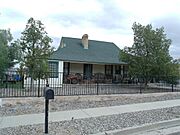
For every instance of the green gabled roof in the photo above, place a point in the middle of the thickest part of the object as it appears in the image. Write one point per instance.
(97, 52)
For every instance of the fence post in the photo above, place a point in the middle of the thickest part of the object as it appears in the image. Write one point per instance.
(172, 86)
(97, 88)
(22, 82)
(39, 87)
(39, 84)
(6, 81)
(140, 89)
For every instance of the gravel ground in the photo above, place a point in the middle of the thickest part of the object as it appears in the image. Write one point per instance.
(98, 124)
(19, 106)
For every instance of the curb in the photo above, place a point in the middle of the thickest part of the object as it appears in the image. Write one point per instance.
(142, 128)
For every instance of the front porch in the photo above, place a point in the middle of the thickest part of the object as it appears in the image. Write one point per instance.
(74, 73)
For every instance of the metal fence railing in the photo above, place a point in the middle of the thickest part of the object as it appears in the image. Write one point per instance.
(13, 84)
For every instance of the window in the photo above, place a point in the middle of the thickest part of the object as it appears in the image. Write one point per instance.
(53, 69)
(66, 68)
(88, 71)
(125, 71)
(118, 69)
(108, 69)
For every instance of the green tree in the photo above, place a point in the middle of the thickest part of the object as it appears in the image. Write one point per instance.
(36, 49)
(149, 55)
(15, 53)
(5, 60)
(174, 70)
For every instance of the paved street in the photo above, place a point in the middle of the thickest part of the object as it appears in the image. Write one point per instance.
(167, 127)
(166, 130)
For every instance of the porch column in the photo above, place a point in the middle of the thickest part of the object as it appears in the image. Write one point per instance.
(122, 72)
(114, 70)
(60, 70)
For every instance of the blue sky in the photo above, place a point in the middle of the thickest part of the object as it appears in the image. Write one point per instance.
(104, 20)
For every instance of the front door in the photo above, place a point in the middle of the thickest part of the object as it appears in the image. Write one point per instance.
(109, 71)
(87, 71)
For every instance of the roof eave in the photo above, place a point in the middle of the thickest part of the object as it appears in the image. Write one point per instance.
(92, 62)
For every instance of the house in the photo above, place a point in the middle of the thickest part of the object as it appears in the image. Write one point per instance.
(83, 59)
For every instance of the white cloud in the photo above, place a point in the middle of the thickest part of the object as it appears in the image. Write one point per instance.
(144, 11)
(102, 20)
(44, 8)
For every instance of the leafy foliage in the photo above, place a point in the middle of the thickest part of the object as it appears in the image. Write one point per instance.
(15, 51)
(149, 55)
(174, 69)
(5, 60)
(36, 49)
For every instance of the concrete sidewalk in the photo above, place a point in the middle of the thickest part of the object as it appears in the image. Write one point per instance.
(12, 121)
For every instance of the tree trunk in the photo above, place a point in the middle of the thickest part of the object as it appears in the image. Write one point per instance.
(47, 82)
(32, 84)
(145, 84)
(22, 82)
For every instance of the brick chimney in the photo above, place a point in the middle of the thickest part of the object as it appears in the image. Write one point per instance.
(85, 41)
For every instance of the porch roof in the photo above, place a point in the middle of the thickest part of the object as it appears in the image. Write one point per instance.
(71, 49)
